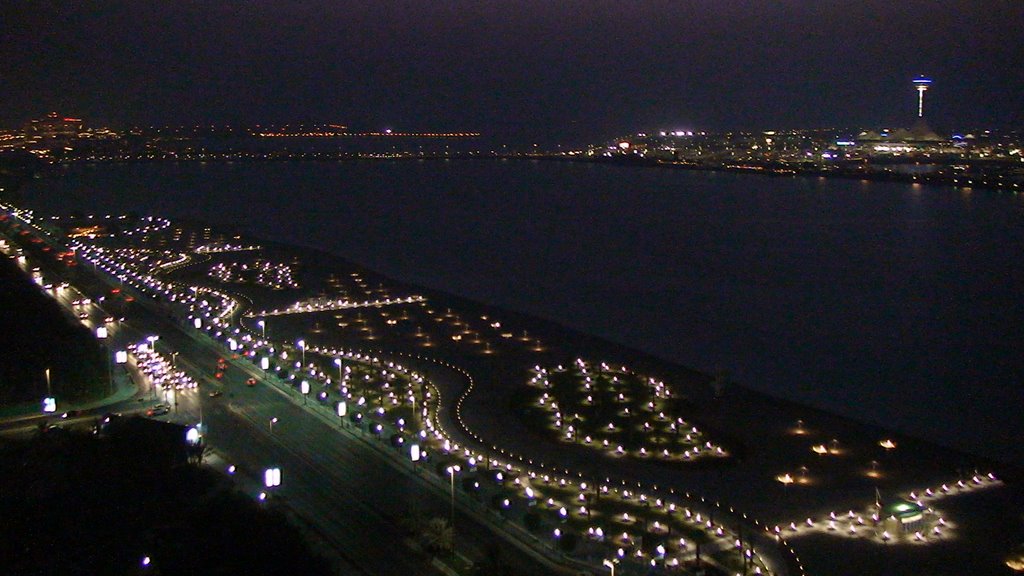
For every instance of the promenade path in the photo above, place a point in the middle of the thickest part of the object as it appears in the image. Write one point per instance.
(760, 431)
(450, 338)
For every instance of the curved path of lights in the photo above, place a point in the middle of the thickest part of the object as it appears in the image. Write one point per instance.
(139, 268)
(446, 419)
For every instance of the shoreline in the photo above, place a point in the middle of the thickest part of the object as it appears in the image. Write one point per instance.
(249, 230)
(778, 170)
(654, 362)
(768, 169)
(649, 363)
(761, 423)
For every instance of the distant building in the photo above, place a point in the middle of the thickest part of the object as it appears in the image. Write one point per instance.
(54, 127)
(921, 84)
(907, 516)
(918, 138)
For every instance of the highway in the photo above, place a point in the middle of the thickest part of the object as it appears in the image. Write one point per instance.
(351, 497)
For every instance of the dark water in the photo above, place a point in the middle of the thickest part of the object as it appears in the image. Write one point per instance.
(882, 301)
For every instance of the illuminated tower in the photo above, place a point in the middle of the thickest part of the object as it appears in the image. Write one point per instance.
(921, 84)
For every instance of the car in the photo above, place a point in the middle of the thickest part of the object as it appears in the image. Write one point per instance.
(216, 393)
(250, 382)
(158, 410)
(83, 315)
(218, 375)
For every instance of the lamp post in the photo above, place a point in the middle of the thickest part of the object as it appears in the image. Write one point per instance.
(610, 564)
(272, 422)
(263, 328)
(174, 387)
(337, 362)
(101, 334)
(451, 475)
(302, 346)
(49, 402)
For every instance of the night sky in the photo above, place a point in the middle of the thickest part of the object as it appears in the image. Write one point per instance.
(588, 69)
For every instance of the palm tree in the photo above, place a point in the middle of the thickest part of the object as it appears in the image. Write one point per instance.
(436, 535)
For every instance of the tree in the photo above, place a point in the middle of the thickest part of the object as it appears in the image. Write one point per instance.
(436, 535)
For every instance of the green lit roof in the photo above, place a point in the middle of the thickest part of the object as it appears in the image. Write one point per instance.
(902, 509)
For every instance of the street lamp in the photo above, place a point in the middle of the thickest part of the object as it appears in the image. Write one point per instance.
(337, 362)
(610, 564)
(263, 328)
(302, 346)
(451, 474)
(272, 422)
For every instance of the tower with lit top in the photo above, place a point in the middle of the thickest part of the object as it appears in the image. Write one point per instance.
(921, 83)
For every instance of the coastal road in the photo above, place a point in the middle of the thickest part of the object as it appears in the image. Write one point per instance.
(353, 496)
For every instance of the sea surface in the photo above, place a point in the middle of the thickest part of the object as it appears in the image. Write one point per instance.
(890, 303)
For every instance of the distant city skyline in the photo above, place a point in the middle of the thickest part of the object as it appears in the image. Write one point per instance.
(575, 71)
